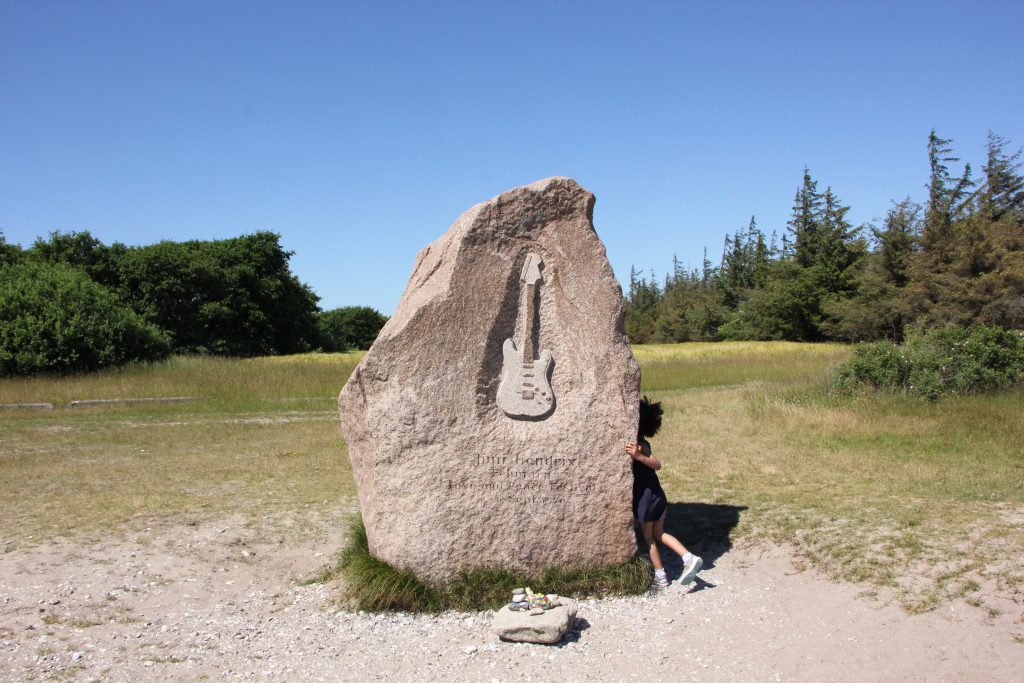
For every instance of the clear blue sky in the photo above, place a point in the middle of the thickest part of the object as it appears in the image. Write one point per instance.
(361, 130)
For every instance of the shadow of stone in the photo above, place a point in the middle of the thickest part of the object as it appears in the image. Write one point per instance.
(573, 634)
(704, 528)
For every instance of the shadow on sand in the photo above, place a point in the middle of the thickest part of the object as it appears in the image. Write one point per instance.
(704, 528)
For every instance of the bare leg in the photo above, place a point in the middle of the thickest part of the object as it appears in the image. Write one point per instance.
(649, 535)
(658, 531)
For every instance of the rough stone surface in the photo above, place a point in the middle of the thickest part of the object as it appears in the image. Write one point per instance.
(546, 628)
(517, 300)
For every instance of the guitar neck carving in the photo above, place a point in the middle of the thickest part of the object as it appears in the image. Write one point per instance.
(531, 306)
(525, 389)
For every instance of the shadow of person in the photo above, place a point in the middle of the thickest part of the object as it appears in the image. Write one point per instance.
(704, 528)
(698, 584)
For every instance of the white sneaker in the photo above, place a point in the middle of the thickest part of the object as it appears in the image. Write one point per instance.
(660, 580)
(690, 570)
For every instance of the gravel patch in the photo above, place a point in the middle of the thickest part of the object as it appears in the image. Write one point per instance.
(217, 601)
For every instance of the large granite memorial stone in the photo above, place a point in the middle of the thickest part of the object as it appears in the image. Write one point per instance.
(486, 425)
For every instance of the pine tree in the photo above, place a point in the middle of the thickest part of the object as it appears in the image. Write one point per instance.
(1003, 191)
(807, 208)
(786, 252)
(958, 258)
(947, 199)
(760, 254)
(989, 270)
(735, 273)
(882, 305)
(642, 307)
(677, 269)
(898, 240)
(706, 271)
(839, 248)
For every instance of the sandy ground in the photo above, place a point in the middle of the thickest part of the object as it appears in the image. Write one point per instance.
(214, 602)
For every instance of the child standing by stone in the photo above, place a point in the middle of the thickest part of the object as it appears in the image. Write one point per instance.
(649, 504)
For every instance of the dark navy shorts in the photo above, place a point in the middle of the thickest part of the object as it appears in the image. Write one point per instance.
(651, 507)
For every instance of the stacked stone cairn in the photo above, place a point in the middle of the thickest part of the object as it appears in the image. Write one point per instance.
(535, 617)
(525, 599)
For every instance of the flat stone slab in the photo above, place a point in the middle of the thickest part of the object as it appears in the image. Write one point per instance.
(546, 629)
(26, 406)
(96, 402)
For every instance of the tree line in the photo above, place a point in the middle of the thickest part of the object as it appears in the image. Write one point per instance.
(71, 303)
(957, 258)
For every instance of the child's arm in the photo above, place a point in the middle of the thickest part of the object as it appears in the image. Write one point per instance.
(643, 454)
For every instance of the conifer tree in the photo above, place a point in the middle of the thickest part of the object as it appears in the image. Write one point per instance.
(759, 254)
(838, 249)
(706, 271)
(882, 305)
(897, 242)
(642, 307)
(946, 199)
(807, 207)
(1003, 190)
(957, 258)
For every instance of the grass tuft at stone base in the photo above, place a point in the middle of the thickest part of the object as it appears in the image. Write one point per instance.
(376, 586)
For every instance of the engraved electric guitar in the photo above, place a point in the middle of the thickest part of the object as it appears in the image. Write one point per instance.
(524, 390)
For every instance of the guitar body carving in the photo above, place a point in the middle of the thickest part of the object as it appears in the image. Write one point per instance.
(524, 391)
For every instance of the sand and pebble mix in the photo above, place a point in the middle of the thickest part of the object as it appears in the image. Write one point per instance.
(184, 603)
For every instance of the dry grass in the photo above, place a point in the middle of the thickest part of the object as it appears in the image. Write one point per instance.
(72, 472)
(670, 367)
(223, 383)
(893, 492)
(745, 351)
(263, 439)
(924, 499)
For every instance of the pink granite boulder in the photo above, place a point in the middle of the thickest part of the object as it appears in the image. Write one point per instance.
(486, 425)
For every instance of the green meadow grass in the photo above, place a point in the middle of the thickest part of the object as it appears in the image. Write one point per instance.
(262, 437)
(220, 383)
(699, 365)
(921, 499)
(377, 586)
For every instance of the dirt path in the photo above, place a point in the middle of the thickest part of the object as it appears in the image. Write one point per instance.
(211, 601)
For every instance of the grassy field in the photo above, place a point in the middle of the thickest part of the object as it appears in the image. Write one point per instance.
(262, 437)
(925, 499)
(922, 498)
(221, 384)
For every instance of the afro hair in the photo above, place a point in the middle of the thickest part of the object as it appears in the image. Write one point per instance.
(650, 417)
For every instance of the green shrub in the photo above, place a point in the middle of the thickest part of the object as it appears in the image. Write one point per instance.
(229, 297)
(348, 328)
(878, 364)
(54, 318)
(937, 362)
(735, 329)
(377, 586)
